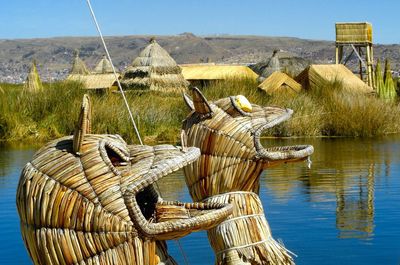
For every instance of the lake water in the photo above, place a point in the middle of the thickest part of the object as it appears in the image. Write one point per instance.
(344, 210)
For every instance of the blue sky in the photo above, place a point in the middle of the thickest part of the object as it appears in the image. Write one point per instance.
(310, 19)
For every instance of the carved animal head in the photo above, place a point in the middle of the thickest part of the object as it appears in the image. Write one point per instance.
(89, 199)
(228, 131)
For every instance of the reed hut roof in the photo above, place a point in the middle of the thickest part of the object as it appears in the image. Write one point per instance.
(216, 72)
(95, 81)
(290, 64)
(79, 66)
(33, 83)
(280, 82)
(318, 75)
(103, 67)
(154, 69)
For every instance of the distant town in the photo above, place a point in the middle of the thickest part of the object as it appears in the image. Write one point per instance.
(54, 56)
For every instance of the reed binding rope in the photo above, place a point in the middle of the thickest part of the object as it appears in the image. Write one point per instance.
(127, 105)
(115, 73)
(260, 216)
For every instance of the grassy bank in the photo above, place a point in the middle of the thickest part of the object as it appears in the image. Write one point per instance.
(52, 113)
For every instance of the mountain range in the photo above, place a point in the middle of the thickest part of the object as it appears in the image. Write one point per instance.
(54, 55)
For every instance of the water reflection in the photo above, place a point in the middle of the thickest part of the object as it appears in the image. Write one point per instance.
(347, 203)
(5, 164)
(12, 250)
(344, 170)
(355, 209)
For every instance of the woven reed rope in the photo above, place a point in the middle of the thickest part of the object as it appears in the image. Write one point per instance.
(232, 159)
(231, 239)
(87, 206)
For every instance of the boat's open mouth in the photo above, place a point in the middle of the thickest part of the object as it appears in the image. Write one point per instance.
(278, 154)
(151, 215)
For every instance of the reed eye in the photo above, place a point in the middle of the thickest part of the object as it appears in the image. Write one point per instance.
(239, 106)
(243, 103)
(116, 160)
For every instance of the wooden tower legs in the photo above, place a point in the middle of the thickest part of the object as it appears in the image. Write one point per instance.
(367, 64)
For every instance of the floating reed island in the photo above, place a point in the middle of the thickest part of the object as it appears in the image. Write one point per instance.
(90, 199)
(227, 131)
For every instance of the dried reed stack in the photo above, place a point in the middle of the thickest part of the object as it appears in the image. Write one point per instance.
(33, 83)
(154, 69)
(89, 199)
(227, 132)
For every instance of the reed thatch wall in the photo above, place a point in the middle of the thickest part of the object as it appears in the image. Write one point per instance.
(95, 81)
(154, 69)
(279, 82)
(33, 83)
(216, 72)
(319, 75)
(354, 32)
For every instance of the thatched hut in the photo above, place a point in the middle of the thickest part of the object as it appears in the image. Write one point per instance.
(319, 75)
(288, 63)
(154, 69)
(97, 82)
(103, 67)
(33, 83)
(279, 82)
(203, 74)
(78, 66)
(272, 66)
(101, 79)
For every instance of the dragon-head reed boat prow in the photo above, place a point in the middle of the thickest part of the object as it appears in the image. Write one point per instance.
(228, 131)
(89, 199)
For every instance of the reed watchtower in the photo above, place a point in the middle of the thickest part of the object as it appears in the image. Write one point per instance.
(357, 35)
